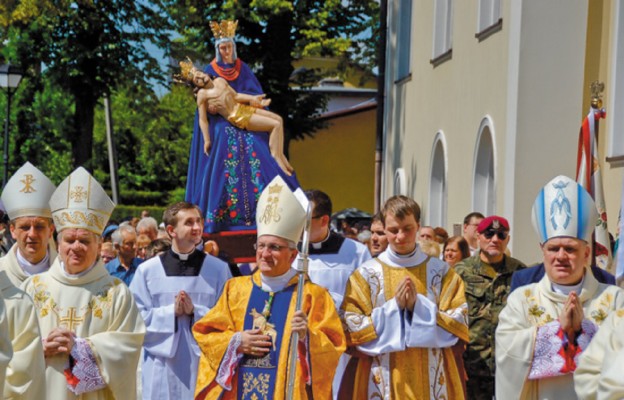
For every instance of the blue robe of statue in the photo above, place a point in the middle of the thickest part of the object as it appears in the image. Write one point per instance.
(226, 184)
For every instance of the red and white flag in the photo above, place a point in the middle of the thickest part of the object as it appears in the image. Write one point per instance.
(589, 176)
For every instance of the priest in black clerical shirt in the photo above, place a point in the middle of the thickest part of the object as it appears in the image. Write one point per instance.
(173, 291)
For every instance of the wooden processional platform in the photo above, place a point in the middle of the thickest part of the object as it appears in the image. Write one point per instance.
(237, 245)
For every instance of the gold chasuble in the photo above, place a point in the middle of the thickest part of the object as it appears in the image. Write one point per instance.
(99, 309)
(402, 354)
(224, 374)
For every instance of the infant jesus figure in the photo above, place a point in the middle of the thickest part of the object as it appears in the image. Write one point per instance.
(244, 111)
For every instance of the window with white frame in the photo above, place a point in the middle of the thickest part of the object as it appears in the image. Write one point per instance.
(442, 27)
(404, 35)
(484, 185)
(437, 184)
(489, 14)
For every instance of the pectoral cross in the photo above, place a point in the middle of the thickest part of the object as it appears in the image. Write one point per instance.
(71, 319)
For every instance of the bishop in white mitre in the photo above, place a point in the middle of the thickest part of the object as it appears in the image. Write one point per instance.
(91, 327)
(546, 326)
(26, 199)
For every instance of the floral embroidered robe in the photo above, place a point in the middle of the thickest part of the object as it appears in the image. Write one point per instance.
(109, 331)
(599, 372)
(405, 355)
(534, 359)
(219, 364)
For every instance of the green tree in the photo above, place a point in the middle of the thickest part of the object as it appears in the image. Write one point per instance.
(88, 47)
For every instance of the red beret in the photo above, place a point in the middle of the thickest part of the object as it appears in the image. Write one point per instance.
(493, 221)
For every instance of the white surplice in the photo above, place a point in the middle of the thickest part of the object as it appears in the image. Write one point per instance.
(533, 358)
(25, 378)
(171, 354)
(599, 374)
(109, 332)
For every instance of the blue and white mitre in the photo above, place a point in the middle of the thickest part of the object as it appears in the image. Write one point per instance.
(563, 208)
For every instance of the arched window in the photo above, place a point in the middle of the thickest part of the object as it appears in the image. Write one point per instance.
(400, 182)
(437, 183)
(484, 181)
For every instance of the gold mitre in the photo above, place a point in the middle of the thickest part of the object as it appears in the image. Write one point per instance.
(81, 202)
(27, 193)
(280, 212)
(225, 29)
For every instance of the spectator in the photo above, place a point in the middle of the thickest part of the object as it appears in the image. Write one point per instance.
(441, 235)
(455, 249)
(379, 241)
(430, 248)
(126, 263)
(471, 221)
(142, 242)
(157, 247)
(107, 252)
(148, 226)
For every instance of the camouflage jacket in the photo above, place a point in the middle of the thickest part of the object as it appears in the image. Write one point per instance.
(487, 289)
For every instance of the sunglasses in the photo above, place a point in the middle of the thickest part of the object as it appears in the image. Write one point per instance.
(489, 234)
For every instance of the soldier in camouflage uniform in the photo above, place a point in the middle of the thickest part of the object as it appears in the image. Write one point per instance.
(487, 276)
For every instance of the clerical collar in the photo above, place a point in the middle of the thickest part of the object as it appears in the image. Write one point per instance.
(330, 245)
(403, 256)
(319, 245)
(33, 269)
(276, 283)
(79, 274)
(183, 256)
(567, 289)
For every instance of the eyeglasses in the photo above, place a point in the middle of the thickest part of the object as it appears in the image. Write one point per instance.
(489, 234)
(273, 248)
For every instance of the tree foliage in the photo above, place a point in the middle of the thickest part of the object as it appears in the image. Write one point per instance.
(88, 47)
(74, 52)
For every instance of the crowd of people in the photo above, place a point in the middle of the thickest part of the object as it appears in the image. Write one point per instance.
(95, 309)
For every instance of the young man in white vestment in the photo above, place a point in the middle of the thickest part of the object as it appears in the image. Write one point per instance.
(173, 291)
(545, 326)
(26, 199)
(402, 312)
(91, 328)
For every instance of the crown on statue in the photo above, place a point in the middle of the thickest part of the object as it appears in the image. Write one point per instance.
(186, 71)
(225, 29)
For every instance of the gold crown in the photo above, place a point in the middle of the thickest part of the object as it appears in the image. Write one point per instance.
(225, 29)
(275, 189)
(186, 70)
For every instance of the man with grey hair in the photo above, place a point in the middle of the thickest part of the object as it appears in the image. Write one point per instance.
(148, 226)
(125, 264)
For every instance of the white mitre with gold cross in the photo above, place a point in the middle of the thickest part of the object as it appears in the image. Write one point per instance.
(27, 193)
(280, 212)
(81, 202)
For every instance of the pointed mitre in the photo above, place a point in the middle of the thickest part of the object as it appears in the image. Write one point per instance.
(27, 193)
(280, 212)
(81, 202)
(563, 208)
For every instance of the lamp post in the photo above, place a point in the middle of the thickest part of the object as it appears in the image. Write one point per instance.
(10, 77)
